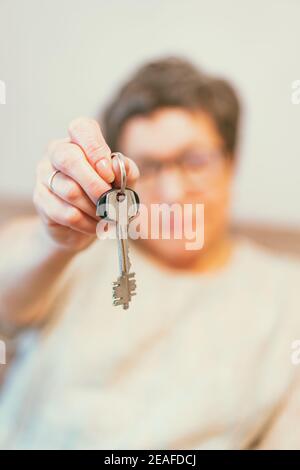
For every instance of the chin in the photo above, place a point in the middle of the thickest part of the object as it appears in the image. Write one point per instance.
(172, 252)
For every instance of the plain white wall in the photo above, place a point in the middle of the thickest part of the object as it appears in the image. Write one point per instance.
(63, 58)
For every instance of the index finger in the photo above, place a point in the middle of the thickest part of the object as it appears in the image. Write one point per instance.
(70, 160)
(86, 133)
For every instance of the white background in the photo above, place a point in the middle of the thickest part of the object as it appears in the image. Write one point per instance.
(63, 58)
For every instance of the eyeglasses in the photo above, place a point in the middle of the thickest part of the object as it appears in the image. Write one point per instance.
(195, 166)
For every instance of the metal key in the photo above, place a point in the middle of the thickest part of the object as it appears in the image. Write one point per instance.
(121, 206)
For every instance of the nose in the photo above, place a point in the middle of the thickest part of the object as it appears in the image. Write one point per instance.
(170, 185)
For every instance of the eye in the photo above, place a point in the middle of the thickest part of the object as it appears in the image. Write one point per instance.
(195, 159)
(148, 167)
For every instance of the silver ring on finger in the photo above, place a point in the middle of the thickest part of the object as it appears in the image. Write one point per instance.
(51, 178)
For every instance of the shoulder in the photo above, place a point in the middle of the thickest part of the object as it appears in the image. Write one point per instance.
(270, 287)
(269, 284)
(265, 265)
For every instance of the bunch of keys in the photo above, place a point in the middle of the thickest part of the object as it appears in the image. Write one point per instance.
(121, 205)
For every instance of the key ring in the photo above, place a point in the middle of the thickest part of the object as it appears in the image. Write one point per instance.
(120, 158)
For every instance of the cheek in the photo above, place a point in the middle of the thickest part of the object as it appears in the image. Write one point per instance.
(147, 195)
(216, 212)
(217, 197)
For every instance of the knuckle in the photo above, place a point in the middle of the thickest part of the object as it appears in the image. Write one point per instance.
(39, 168)
(94, 123)
(95, 151)
(73, 216)
(51, 145)
(63, 160)
(97, 129)
(42, 169)
(65, 157)
(87, 131)
(94, 188)
(78, 125)
(72, 192)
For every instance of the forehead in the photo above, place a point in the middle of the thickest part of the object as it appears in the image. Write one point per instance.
(168, 131)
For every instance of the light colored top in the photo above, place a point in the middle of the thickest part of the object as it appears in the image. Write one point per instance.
(199, 362)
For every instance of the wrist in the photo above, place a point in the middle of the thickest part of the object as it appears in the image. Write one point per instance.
(50, 246)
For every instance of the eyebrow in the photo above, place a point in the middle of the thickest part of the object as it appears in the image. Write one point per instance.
(179, 153)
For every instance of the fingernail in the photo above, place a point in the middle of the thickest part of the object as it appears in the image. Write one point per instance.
(104, 169)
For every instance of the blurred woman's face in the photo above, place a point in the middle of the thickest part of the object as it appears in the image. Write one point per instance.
(181, 160)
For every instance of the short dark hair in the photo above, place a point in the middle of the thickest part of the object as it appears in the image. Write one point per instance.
(174, 82)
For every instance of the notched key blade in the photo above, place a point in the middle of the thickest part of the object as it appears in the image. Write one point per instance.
(124, 289)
